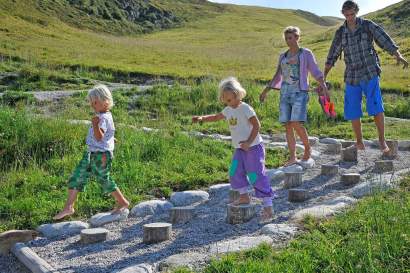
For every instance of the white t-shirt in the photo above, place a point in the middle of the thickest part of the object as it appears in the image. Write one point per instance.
(107, 142)
(238, 121)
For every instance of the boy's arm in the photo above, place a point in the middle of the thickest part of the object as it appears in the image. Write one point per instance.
(208, 118)
(98, 132)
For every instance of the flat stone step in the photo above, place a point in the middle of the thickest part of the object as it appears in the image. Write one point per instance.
(93, 235)
(329, 169)
(181, 215)
(382, 166)
(240, 214)
(157, 232)
(350, 179)
(298, 195)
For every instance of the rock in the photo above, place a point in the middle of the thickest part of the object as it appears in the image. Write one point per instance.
(329, 140)
(328, 169)
(273, 145)
(62, 229)
(404, 145)
(349, 179)
(313, 141)
(214, 189)
(293, 179)
(103, 218)
(187, 259)
(93, 235)
(371, 187)
(291, 168)
(335, 148)
(298, 195)
(240, 214)
(239, 244)
(151, 207)
(315, 155)
(327, 209)
(280, 232)
(279, 138)
(349, 154)
(157, 232)
(307, 164)
(275, 174)
(186, 198)
(9, 238)
(382, 166)
(139, 268)
(181, 215)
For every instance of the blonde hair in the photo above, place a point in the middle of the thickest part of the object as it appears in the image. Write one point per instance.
(291, 30)
(231, 84)
(102, 93)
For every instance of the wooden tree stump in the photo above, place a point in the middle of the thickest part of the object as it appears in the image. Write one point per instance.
(233, 195)
(240, 214)
(298, 195)
(350, 179)
(293, 179)
(181, 215)
(382, 166)
(349, 154)
(394, 148)
(31, 260)
(334, 148)
(348, 143)
(329, 169)
(93, 235)
(157, 232)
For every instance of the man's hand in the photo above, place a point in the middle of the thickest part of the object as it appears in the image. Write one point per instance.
(401, 59)
(263, 95)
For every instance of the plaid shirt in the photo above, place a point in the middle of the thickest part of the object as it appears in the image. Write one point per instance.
(362, 62)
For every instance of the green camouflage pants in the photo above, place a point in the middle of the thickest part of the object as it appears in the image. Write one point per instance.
(97, 163)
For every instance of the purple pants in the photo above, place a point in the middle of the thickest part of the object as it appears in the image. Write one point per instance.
(248, 167)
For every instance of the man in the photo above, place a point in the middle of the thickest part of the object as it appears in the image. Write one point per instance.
(355, 38)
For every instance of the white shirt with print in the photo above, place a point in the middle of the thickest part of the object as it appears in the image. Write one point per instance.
(239, 124)
(107, 142)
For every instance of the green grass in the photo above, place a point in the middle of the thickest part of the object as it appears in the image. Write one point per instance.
(374, 236)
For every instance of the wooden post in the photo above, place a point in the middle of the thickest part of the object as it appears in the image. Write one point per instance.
(93, 235)
(180, 215)
(349, 154)
(348, 143)
(334, 148)
(293, 179)
(233, 195)
(31, 260)
(349, 179)
(240, 214)
(394, 148)
(382, 166)
(156, 232)
(298, 195)
(328, 169)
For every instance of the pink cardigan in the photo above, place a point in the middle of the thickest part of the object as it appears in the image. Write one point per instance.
(307, 64)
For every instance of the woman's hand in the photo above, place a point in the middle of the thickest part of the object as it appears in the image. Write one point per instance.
(262, 96)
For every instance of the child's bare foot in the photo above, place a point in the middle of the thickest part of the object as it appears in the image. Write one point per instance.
(119, 208)
(267, 214)
(243, 199)
(64, 213)
(360, 146)
(307, 154)
(290, 162)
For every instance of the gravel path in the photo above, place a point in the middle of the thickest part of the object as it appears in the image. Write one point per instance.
(124, 246)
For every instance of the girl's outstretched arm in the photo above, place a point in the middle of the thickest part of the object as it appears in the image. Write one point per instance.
(208, 118)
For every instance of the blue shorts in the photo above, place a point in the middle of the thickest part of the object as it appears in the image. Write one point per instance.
(353, 99)
(293, 104)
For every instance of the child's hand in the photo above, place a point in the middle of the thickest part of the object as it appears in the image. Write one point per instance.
(95, 121)
(197, 119)
(244, 145)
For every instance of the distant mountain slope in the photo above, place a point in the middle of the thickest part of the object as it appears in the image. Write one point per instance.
(323, 21)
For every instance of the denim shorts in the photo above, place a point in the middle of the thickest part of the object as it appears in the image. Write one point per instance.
(293, 104)
(353, 99)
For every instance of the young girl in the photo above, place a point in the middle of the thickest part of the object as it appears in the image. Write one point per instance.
(248, 162)
(98, 157)
(291, 78)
